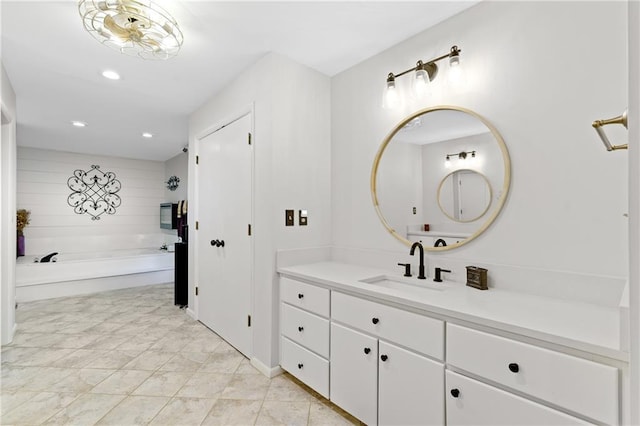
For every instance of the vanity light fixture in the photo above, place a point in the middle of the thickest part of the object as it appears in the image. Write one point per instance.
(133, 27)
(423, 73)
(461, 155)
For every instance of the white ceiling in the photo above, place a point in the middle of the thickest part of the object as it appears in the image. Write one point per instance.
(55, 66)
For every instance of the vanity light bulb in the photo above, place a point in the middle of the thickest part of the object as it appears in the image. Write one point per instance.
(420, 83)
(391, 97)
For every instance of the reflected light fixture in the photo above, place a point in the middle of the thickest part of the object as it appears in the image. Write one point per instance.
(133, 27)
(461, 155)
(423, 73)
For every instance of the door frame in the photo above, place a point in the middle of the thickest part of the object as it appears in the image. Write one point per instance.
(195, 207)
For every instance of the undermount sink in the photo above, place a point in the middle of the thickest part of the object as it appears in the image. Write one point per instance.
(401, 283)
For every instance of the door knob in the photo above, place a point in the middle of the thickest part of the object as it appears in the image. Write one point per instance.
(455, 393)
(214, 243)
(367, 350)
(375, 320)
(221, 243)
(514, 368)
(384, 358)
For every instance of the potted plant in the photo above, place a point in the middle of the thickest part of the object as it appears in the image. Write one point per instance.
(22, 220)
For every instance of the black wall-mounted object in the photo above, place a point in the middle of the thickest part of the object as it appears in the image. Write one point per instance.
(180, 290)
(169, 216)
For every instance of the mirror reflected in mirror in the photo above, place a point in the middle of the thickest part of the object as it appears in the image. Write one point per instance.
(442, 175)
(464, 195)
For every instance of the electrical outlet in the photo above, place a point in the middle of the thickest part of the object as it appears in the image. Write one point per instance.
(288, 217)
(302, 217)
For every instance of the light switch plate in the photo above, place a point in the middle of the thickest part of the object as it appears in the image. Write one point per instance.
(302, 217)
(288, 217)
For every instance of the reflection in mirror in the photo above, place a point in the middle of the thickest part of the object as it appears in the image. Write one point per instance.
(464, 195)
(427, 152)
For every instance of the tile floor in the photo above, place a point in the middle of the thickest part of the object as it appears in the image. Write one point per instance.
(130, 357)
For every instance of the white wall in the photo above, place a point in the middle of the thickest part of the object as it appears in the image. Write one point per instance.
(634, 205)
(292, 171)
(7, 209)
(541, 86)
(42, 189)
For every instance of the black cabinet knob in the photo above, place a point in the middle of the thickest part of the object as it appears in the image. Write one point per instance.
(375, 320)
(300, 366)
(455, 393)
(221, 243)
(514, 368)
(300, 295)
(300, 329)
(384, 358)
(214, 243)
(367, 350)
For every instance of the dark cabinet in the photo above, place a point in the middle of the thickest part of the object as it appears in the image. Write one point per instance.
(181, 293)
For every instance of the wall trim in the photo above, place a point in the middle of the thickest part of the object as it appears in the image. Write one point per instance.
(270, 372)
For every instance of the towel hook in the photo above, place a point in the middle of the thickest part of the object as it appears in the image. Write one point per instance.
(621, 119)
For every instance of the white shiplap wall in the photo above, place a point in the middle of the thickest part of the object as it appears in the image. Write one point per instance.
(42, 188)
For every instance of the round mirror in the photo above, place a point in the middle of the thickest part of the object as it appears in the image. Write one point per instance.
(464, 195)
(440, 177)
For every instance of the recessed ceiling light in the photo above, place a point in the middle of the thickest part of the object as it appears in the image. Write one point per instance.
(147, 135)
(79, 123)
(111, 75)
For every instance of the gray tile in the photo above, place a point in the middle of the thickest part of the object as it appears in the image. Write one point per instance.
(183, 411)
(283, 413)
(246, 386)
(80, 381)
(282, 388)
(122, 382)
(163, 383)
(222, 362)
(185, 361)
(85, 410)
(38, 409)
(205, 385)
(134, 410)
(11, 400)
(233, 412)
(149, 360)
(325, 413)
(46, 377)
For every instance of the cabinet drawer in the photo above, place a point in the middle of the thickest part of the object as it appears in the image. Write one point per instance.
(417, 332)
(480, 404)
(574, 383)
(305, 296)
(306, 366)
(306, 329)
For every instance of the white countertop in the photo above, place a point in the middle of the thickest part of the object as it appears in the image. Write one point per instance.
(440, 234)
(581, 326)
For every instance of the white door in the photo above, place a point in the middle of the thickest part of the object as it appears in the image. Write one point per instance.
(410, 388)
(474, 195)
(225, 255)
(353, 378)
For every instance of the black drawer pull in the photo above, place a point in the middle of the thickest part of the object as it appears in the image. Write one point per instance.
(455, 393)
(384, 358)
(300, 329)
(300, 295)
(367, 350)
(300, 366)
(375, 320)
(514, 368)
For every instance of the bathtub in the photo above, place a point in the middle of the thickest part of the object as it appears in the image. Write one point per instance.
(90, 272)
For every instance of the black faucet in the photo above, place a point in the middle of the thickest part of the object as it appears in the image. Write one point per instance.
(440, 243)
(48, 257)
(421, 267)
(438, 277)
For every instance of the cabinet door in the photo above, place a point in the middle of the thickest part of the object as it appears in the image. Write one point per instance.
(354, 373)
(410, 388)
(470, 402)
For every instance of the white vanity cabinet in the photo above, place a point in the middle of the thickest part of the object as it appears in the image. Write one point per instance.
(471, 403)
(584, 387)
(304, 333)
(375, 379)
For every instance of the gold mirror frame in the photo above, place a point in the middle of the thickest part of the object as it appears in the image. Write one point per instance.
(505, 184)
(442, 209)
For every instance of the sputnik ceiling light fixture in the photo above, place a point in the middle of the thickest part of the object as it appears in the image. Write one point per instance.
(424, 72)
(133, 27)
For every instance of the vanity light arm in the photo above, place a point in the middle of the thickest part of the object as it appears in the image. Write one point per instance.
(597, 125)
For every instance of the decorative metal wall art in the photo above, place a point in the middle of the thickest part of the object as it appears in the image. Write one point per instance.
(172, 183)
(94, 192)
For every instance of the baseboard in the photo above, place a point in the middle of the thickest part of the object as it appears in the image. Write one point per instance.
(192, 314)
(270, 372)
